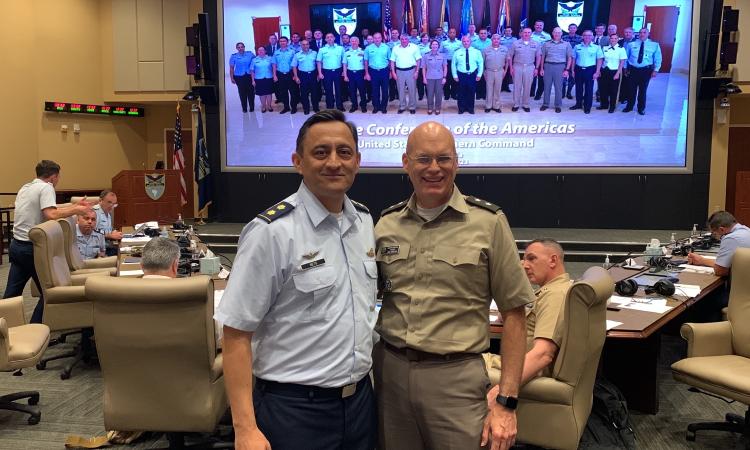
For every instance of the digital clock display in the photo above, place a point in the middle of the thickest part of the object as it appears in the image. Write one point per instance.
(106, 110)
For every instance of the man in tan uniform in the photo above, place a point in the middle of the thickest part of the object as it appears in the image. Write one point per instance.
(543, 263)
(495, 66)
(442, 257)
(525, 57)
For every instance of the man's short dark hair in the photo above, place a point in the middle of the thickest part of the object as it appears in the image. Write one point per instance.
(105, 193)
(326, 115)
(601, 25)
(721, 219)
(47, 168)
(284, 38)
(549, 243)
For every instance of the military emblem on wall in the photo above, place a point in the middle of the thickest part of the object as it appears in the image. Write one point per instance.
(155, 184)
(346, 17)
(569, 13)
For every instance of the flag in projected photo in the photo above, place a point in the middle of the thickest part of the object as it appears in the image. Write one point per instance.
(424, 17)
(467, 16)
(407, 18)
(445, 16)
(503, 16)
(387, 24)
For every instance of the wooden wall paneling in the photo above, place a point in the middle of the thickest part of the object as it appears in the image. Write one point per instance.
(149, 30)
(175, 19)
(125, 48)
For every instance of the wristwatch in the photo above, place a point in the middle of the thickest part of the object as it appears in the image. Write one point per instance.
(509, 402)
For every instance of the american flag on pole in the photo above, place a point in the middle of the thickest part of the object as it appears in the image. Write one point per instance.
(407, 18)
(445, 16)
(503, 16)
(178, 157)
(424, 21)
(387, 24)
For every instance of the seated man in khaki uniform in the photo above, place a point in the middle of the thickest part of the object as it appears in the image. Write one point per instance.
(543, 264)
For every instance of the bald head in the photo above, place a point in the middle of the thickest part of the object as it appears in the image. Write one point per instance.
(430, 135)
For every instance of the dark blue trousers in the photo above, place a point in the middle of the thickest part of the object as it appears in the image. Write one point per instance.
(291, 421)
(379, 83)
(467, 89)
(308, 83)
(21, 255)
(585, 86)
(357, 87)
(332, 86)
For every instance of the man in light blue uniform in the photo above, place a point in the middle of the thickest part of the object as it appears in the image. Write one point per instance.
(294, 44)
(90, 242)
(299, 309)
(644, 62)
(377, 63)
(354, 74)
(282, 75)
(467, 68)
(586, 69)
(104, 217)
(305, 75)
(330, 59)
(480, 44)
(449, 47)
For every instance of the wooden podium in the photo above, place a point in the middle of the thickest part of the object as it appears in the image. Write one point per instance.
(135, 205)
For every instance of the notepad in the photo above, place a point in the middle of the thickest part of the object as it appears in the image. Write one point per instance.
(688, 290)
(612, 324)
(131, 273)
(697, 269)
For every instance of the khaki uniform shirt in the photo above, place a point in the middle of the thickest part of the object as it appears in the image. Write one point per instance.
(557, 52)
(494, 58)
(545, 318)
(439, 277)
(522, 52)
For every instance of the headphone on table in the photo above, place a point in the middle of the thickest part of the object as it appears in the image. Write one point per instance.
(659, 262)
(629, 287)
(682, 250)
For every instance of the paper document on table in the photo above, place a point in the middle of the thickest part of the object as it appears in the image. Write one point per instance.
(150, 224)
(618, 299)
(612, 323)
(697, 269)
(656, 305)
(131, 273)
(135, 240)
(688, 290)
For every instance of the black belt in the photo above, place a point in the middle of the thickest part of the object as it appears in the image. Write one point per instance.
(418, 355)
(382, 68)
(405, 68)
(311, 392)
(550, 62)
(587, 67)
(20, 242)
(355, 71)
(331, 70)
(651, 67)
(307, 71)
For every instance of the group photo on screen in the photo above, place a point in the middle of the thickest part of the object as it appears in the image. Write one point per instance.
(521, 83)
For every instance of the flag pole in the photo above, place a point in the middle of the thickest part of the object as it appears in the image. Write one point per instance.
(201, 212)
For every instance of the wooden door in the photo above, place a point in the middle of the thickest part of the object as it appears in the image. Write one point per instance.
(187, 211)
(738, 161)
(663, 20)
(742, 197)
(262, 28)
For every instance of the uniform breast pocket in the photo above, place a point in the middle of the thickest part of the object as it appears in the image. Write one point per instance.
(316, 289)
(459, 267)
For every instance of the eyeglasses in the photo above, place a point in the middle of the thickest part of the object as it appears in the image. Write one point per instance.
(426, 160)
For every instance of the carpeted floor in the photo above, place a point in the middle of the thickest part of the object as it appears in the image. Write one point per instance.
(74, 406)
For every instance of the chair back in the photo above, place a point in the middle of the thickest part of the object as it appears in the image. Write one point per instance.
(49, 255)
(585, 317)
(739, 302)
(72, 254)
(157, 349)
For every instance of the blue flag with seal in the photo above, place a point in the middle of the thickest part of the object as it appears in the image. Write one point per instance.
(346, 17)
(524, 17)
(467, 16)
(202, 167)
(569, 13)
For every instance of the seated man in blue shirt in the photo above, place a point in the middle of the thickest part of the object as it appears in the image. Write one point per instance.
(733, 235)
(90, 242)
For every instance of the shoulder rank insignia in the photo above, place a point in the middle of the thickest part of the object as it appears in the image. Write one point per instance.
(396, 207)
(360, 206)
(276, 211)
(482, 204)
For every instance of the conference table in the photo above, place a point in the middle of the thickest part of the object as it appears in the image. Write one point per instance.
(630, 357)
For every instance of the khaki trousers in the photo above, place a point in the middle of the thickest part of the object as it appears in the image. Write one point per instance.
(524, 74)
(494, 86)
(424, 405)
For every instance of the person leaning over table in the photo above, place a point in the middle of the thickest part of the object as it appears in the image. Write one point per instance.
(299, 308)
(104, 220)
(434, 72)
(544, 267)
(90, 242)
(443, 257)
(35, 203)
(733, 235)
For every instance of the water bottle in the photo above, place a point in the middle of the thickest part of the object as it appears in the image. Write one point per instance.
(606, 264)
(694, 233)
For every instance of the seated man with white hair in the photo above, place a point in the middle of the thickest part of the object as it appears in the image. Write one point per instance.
(160, 258)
